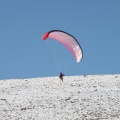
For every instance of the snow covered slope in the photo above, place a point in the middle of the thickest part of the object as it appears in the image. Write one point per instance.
(92, 97)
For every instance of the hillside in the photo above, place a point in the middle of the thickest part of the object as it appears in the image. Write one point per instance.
(91, 97)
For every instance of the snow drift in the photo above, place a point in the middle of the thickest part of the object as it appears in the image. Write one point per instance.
(95, 97)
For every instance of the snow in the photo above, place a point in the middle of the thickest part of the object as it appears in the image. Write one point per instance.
(90, 97)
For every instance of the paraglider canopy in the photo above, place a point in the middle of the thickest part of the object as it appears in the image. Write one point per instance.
(67, 40)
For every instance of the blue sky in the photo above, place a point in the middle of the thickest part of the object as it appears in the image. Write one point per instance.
(94, 23)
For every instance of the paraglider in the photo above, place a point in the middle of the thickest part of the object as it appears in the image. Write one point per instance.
(61, 76)
(67, 40)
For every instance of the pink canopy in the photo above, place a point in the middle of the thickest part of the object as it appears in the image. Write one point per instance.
(67, 40)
